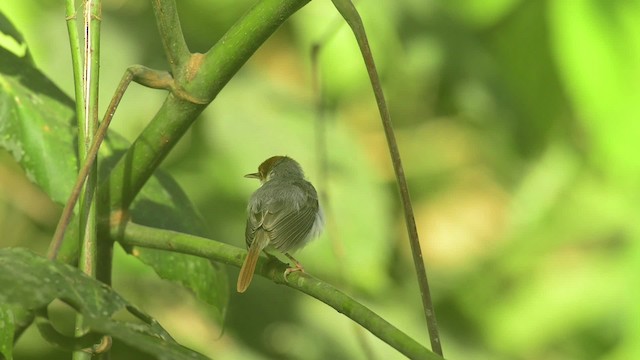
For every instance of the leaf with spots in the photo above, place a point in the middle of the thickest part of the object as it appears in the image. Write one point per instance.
(36, 126)
(32, 282)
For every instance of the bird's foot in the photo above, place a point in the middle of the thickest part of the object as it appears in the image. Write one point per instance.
(297, 267)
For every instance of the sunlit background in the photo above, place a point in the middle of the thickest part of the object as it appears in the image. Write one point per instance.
(519, 126)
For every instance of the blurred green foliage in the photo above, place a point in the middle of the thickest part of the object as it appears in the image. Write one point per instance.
(518, 124)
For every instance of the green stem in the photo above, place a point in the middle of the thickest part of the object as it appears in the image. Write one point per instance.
(170, 31)
(76, 61)
(137, 235)
(91, 73)
(351, 16)
(90, 250)
(71, 17)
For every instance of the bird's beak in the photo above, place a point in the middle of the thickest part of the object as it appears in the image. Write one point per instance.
(253, 176)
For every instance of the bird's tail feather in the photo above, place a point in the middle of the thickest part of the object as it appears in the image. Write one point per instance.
(249, 265)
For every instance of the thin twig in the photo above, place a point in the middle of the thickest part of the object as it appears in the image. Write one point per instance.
(142, 75)
(350, 14)
(67, 212)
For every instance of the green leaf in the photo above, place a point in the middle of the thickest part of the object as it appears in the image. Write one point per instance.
(206, 279)
(32, 282)
(37, 128)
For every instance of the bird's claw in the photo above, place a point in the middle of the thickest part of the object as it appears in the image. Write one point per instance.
(289, 270)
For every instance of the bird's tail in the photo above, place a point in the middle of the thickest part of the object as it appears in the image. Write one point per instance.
(249, 265)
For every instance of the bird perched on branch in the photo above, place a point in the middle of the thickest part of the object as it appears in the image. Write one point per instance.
(283, 214)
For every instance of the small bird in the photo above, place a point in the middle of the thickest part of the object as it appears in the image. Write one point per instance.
(283, 214)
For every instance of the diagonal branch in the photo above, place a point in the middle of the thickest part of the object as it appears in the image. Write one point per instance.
(203, 77)
(131, 234)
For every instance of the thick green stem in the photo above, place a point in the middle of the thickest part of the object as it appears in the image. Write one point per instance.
(203, 76)
(136, 235)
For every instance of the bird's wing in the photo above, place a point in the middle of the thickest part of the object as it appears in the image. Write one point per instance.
(286, 226)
